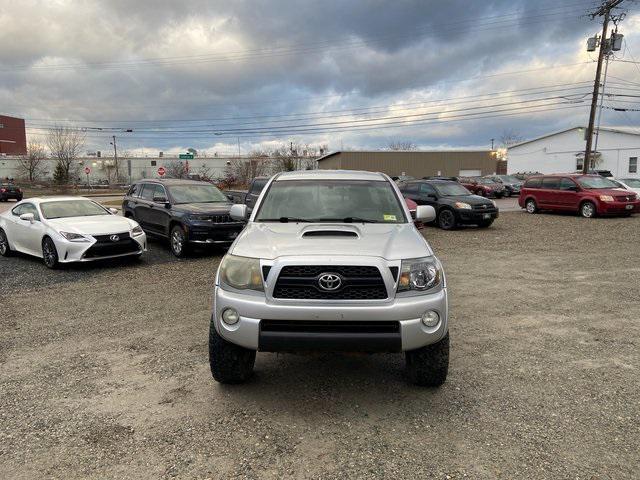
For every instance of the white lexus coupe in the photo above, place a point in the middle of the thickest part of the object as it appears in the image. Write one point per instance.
(69, 229)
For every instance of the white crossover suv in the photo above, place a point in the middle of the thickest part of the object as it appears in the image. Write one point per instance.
(68, 229)
(330, 260)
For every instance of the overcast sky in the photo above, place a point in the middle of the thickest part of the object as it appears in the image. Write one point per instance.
(350, 74)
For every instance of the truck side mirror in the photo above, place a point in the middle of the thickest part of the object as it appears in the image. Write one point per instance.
(425, 213)
(238, 212)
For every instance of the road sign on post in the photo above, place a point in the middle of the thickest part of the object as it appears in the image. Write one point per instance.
(87, 170)
(161, 171)
(186, 156)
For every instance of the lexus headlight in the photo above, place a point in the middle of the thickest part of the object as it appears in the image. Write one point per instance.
(420, 274)
(74, 237)
(463, 205)
(137, 231)
(241, 272)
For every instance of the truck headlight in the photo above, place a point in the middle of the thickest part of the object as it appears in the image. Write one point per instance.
(242, 273)
(74, 237)
(420, 274)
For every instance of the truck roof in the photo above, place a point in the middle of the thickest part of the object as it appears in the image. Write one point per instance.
(331, 175)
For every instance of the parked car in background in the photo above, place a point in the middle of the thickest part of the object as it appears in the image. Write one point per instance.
(402, 178)
(454, 204)
(632, 184)
(69, 229)
(413, 206)
(485, 187)
(511, 184)
(590, 195)
(9, 191)
(329, 261)
(439, 177)
(185, 212)
(250, 196)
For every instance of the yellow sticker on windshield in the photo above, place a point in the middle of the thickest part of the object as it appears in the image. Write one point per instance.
(389, 218)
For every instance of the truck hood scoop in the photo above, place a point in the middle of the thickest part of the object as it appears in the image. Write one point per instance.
(330, 231)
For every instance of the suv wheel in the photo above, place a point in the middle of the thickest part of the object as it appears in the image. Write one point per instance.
(428, 366)
(49, 253)
(178, 241)
(230, 363)
(588, 210)
(5, 251)
(446, 219)
(530, 206)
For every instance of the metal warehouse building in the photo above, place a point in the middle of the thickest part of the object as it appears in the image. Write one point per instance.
(414, 163)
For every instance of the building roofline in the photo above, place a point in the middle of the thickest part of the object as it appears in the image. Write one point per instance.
(603, 129)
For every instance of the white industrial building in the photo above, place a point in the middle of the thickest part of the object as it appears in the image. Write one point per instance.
(562, 152)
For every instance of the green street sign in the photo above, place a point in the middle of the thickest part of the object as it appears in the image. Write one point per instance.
(186, 156)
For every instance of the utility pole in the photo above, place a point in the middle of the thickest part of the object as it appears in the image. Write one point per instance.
(115, 158)
(492, 144)
(603, 11)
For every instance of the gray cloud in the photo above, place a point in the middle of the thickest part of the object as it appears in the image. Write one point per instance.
(286, 57)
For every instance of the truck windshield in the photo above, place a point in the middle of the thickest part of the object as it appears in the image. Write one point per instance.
(196, 194)
(331, 201)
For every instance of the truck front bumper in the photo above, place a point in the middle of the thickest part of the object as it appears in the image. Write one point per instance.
(334, 326)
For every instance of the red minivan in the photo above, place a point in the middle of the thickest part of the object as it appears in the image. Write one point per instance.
(590, 195)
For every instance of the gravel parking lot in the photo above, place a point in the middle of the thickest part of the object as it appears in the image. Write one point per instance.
(104, 371)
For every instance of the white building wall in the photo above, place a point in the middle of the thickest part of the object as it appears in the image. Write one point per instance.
(557, 153)
(140, 167)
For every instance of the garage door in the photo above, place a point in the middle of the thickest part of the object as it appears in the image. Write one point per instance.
(470, 173)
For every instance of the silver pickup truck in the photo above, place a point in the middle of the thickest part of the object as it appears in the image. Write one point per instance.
(330, 260)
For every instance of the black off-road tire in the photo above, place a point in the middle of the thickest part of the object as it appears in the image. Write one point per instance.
(428, 366)
(5, 250)
(230, 363)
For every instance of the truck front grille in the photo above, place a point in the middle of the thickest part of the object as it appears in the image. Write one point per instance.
(322, 326)
(302, 282)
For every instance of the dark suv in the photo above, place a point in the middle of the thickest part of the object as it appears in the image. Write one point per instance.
(184, 211)
(9, 190)
(454, 204)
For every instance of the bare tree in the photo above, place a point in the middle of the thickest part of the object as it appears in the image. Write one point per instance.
(33, 165)
(402, 145)
(65, 145)
(176, 169)
(510, 137)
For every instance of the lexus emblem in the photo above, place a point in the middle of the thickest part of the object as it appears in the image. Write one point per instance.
(329, 282)
(114, 238)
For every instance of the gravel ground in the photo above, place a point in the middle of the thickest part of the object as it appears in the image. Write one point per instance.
(104, 372)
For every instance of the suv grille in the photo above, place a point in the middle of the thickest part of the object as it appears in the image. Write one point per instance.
(356, 283)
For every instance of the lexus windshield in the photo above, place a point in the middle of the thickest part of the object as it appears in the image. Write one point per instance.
(71, 208)
(596, 182)
(196, 194)
(331, 201)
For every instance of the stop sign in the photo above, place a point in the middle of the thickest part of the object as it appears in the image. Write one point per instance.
(161, 171)
(87, 170)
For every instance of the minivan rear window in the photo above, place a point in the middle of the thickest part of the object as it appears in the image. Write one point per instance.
(533, 183)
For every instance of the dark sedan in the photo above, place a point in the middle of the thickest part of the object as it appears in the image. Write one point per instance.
(185, 212)
(454, 204)
(9, 191)
(512, 185)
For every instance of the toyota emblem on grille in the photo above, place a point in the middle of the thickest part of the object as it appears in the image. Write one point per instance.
(114, 238)
(329, 282)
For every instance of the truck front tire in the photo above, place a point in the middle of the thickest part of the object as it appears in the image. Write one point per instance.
(230, 363)
(428, 366)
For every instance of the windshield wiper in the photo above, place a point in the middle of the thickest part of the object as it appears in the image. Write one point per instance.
(284, 219)
(359, 220)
